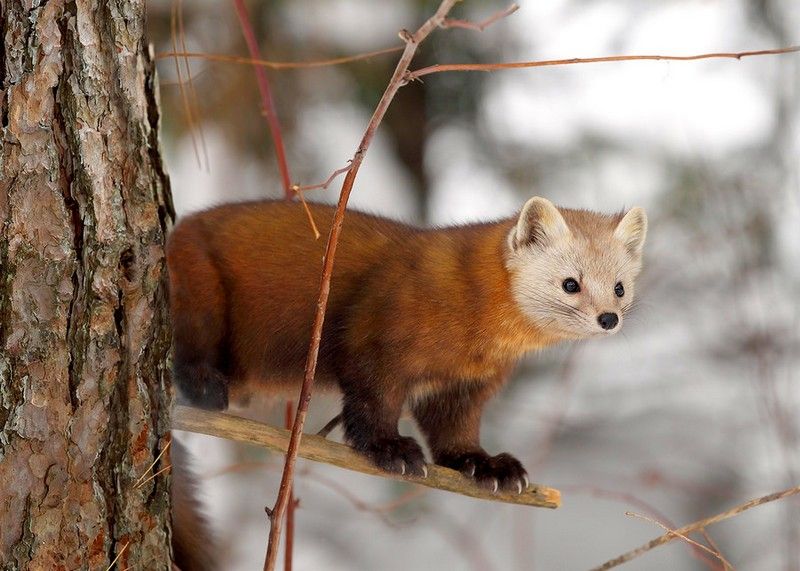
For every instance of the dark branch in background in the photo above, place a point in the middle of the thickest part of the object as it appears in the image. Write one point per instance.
(319, 449)
(696, 526)
(438, 68)
(266, 97)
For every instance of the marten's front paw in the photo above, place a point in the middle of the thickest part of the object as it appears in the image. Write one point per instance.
(501, 472)
(401, 455)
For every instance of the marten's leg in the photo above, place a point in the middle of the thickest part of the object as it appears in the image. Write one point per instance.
(370, 413)
(197, 304)
(451, 421)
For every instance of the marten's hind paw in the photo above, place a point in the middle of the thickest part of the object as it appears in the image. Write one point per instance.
(401, 455)
(501, 472)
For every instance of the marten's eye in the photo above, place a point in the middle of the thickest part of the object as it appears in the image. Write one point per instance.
(570, 285)
(619, 290)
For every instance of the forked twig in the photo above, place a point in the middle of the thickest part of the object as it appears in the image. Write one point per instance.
(715, 552)
(701, 524)
(114, 562)
(482, 25)
(153, 463)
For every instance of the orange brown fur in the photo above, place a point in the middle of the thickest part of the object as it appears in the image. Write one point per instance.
(419, 317)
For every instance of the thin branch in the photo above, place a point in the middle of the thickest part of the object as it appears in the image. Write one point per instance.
(714, 552)
(412, 41)
(632, 499)
(439, 68)
(192, 90)
(293, 503)
(280, 64)
(153, 463)
(318, 449)
(309, 215)
(703, 523)
(121, 551)
(187, 108)
(152, 477)
(332, 423)
(266, 97)
(323, 185)
(480, 26)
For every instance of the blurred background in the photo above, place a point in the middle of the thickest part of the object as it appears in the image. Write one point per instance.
(689, 411)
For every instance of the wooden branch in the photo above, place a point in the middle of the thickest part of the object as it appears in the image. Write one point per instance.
(318, 449)
(696, 526)
(439, 68)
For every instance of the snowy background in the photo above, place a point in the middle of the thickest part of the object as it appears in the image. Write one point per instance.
(689, 411)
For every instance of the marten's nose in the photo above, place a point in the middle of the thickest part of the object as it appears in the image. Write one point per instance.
(608, 320)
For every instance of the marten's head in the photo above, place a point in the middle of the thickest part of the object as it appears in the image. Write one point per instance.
(573, 271)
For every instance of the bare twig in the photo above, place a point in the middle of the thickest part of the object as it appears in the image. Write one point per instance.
(308, 212)
(412, 41)
(631, 499)
(152, 477)
(293, 502)
(192, 91)
(187, 108)
(323, 185)
(319, 449)
(114, 562)
(703, 523)
(332, 423)
(277, 65)
(266, 97)
(153, 463)
(480, 26)
(439, 68)
(715, 552)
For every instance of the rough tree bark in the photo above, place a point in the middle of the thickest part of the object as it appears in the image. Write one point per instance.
(84, 208)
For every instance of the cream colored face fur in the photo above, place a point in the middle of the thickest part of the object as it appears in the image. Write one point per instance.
(550, 245)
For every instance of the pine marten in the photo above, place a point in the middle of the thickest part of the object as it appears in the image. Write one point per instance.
(432, 319)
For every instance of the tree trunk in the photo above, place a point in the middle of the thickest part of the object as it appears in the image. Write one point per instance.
(84, 336)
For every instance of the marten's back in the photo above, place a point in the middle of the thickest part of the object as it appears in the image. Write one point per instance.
(254, 269)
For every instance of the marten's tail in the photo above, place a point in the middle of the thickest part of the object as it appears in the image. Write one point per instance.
(192, 542)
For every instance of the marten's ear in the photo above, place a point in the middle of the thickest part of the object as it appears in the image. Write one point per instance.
(632, 230)
(539, 222)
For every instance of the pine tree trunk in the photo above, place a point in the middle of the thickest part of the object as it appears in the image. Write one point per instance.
(84, 208)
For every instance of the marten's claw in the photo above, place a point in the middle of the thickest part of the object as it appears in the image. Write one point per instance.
(401, 455)
(424, 471)
(501, 472)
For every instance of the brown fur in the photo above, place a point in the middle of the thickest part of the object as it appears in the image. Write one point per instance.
(419, 317)
(192, 542)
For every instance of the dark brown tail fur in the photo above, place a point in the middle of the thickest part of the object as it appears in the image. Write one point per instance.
(192, 543)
